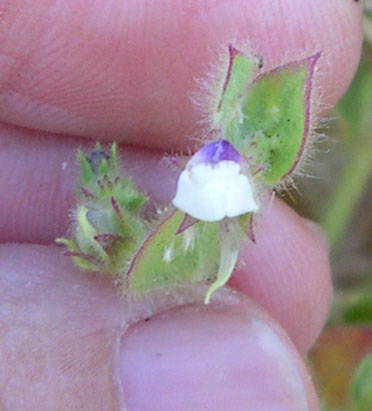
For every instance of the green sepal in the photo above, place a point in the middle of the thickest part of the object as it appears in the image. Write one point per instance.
(230, 236)
(114, 158)
(103, 168)
(85, 233)
(86, 173)
(169, 259)
(74, 252)
(240, 71)
(202, 253)
(271, 118)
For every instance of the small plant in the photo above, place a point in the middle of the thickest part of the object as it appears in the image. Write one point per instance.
(260, 123)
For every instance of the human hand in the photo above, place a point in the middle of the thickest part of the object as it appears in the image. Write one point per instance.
(73, 71)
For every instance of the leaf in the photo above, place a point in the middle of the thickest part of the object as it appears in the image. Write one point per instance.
(167, 259)
(275, 118)
(361, 386)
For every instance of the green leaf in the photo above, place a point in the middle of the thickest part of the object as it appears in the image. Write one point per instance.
(275, 119)
(167, 259)
(361, 386)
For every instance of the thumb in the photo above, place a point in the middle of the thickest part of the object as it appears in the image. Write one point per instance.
(64, 346)
(226, 356)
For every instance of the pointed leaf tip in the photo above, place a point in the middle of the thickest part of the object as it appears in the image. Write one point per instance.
(240, 71)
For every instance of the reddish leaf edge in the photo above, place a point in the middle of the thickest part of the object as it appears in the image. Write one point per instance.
(232, 53)
(311, 61)
(308, 91)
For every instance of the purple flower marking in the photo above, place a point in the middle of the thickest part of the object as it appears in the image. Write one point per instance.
(215, 152)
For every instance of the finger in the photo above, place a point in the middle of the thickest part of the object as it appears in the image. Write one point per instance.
(62, 335)
(288, 272)
(125, 70)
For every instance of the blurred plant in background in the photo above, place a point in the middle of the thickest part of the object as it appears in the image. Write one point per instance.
(341, 201)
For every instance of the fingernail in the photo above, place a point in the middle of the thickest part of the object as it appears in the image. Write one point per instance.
(318, 233)
(207, 359)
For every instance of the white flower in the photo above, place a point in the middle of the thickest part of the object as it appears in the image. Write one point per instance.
(213, 187)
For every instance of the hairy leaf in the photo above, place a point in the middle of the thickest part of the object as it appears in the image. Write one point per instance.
(272, 116)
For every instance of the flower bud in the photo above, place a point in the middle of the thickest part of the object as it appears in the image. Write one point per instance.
(108, 226)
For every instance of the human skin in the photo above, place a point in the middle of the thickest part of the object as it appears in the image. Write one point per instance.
(74, 71)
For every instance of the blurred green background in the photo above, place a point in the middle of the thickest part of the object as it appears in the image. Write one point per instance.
(339, 196)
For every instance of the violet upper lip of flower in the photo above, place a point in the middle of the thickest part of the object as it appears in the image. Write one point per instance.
(213, 185)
